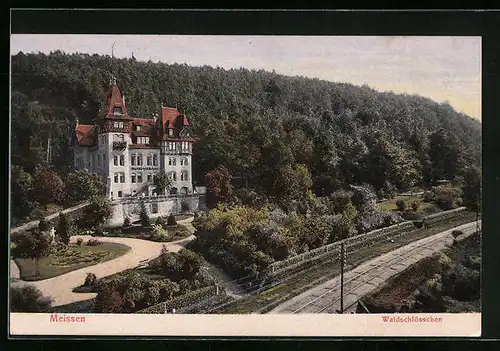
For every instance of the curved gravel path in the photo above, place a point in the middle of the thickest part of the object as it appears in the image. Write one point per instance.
(60, 287)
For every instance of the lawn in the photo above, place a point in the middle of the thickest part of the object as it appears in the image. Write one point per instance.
(390, 205)
(69, 259)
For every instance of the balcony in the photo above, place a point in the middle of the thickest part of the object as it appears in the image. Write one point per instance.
(119, 145)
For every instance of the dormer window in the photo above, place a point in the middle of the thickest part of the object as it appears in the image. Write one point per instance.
(117, 111)
(138, 128)
(170, 132)
(118, 124)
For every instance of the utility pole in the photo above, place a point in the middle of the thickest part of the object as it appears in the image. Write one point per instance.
(113, 50)
(342, 263)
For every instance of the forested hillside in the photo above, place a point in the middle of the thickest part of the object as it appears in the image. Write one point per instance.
(255, 123)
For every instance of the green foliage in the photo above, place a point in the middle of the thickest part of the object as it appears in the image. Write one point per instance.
(401, 204)
(471, 188)
(415, 205)
(43, 225)
(254, 123)
(219, 187)
(79, 241)
(28, 299)
(163, 183)
(48, 187)
(96, 213)
(126, 222)
(144, 216)
(83, 185)
(34, 245)
(447, 197)
(159, 233)
(90, 280)
(292, 186)
(63, 230)
(94, 242)
(171, 220)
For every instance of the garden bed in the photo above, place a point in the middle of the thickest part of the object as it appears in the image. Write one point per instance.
(69, 259)
(176, 232)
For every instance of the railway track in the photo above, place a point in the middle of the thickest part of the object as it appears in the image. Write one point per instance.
(369, 276)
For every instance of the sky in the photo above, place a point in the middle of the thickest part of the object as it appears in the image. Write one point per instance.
(440, 68)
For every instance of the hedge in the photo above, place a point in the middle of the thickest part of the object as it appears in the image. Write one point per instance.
(183, 301)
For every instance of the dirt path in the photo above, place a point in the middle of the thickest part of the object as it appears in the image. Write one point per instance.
(213, 270)
(367, 277)
(60, 287)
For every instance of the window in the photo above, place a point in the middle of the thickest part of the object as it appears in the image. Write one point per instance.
(115, 160)
(139, 177)
(184, 175)
(119, 193)
(132, 159)
(170, 132)
(149, 160)
(116, 177)
(122, 178)
(120, 124)
(132, 177)
(149, 178)
(115, 124)
(143, 140)
(184, 161)
(122, 160)
(139, 160)
(171, 145)
(155, 160)
(173, 176)
(117, 111)
(154, 208)
(171, 161)
(138, 128)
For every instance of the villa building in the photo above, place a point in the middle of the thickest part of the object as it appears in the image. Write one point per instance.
(128, 152)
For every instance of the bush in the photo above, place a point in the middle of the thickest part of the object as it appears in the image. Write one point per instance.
(171, 220)
(93, 242)
(145, 220)
(160, 221)
(415, 205)
(28, 299)
(185, 206)
(126, 222)
(43, 225)
(79, 241)
(401, 204)
(159, 233)
(90, 280)
(456, 233)
(447, 198)
(98, 232)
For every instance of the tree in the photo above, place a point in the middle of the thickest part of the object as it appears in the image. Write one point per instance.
(144, 216)
(28, 299)
(163, 183)
(22, 203)
(292, 186)
(33, 245)
(96, 213)
(48, 187)
(63, 229)
(446, 155)
(126, 222)
(82, 185)
(219, 187)
(471, 188)
(43, 225)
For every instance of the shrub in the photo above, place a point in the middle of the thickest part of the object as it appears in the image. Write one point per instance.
(185, 206)
(98, 232)
(43, 225)
(79, 241)
(159, 233)
(171, 220)
(447, 197)
(415, 205)
(456, 233)
(160, 221)
(401, 204)
(93, 242)
(126, 222)
(28, 299)
(90, 280)
(145, 220)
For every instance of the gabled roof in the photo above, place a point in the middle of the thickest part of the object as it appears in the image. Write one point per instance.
(115, 99)
(85, 134)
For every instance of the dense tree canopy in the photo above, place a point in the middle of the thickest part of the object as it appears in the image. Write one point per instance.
(257, 124)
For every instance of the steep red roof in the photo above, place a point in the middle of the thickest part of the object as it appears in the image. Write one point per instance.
(185, 121)
(85, 134)
(115, 99)
(168, 116)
